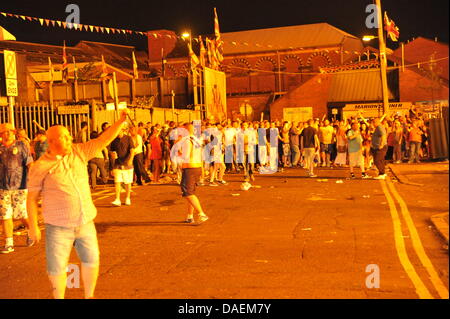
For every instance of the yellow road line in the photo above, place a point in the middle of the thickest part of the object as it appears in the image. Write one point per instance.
(101, 192)
(103, 197)
(418, 247)
(421, 289)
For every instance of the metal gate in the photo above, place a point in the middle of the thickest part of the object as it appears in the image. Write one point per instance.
(27, 116)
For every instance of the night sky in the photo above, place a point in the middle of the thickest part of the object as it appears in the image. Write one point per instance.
(413, 17)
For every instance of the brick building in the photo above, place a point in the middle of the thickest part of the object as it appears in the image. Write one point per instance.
(420, 84)
(262, 65)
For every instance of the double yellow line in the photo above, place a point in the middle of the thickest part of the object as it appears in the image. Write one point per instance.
(421, 289)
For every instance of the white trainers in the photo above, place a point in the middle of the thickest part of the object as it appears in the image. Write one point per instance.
(127, 202)
(202, 218)
(117, 203)
(7, 250)
(381, 177)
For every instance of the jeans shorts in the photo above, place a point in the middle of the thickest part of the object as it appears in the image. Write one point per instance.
(13, 204)
(326, 148)
(59, 242)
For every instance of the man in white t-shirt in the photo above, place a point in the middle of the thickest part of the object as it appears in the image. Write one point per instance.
(229, 142)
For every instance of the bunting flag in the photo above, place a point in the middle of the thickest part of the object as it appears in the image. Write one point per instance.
(50, 69)
(218, 40)
(392, 30)
(65, 67)
(75, 70)
(202, 53)
(135, 68)
(193, 58)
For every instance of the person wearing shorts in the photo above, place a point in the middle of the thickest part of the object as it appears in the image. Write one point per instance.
(15, 158)
(191, 172)
(326, 133)
(123, 149)
(61, 177)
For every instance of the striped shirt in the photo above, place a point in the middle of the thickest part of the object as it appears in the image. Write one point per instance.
(63, 182)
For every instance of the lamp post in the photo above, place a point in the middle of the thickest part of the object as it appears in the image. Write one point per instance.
(383, 60)
(193, 79)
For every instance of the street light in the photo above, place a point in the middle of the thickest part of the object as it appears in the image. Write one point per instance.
(368, 38)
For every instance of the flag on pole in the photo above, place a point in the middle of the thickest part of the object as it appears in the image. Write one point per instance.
(75, 70)
(218, 41)
(135, 68)
(392, 30)
(104, 69)
(213, 62)
(163, 63)
(202, 57)
(65, 69)
(193, 58)
(50, 69)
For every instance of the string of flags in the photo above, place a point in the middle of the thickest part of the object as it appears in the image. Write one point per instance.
(390, 27)
(83, 27)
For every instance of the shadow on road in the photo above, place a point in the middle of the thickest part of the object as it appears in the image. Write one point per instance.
(103, 227)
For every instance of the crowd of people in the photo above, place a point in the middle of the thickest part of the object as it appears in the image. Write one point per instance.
(267, 147)
(51, 169)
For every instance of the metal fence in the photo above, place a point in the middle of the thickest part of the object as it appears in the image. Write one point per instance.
(31, 116)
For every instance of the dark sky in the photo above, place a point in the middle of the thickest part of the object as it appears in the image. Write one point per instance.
(428, 18)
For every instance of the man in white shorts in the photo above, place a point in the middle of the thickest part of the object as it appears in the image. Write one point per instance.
(122, 149)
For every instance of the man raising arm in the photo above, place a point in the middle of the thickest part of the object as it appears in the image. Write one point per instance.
(60, 175)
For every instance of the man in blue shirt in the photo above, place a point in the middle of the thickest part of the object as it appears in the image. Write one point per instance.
(15, 157)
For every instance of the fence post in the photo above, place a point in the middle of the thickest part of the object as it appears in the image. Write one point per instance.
(94, 116)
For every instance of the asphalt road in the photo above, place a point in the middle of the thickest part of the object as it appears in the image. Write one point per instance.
(294, 237)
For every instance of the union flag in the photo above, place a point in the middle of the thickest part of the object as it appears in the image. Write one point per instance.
(218, 40)
(202, 52)
(391, 29)
(193, 58)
